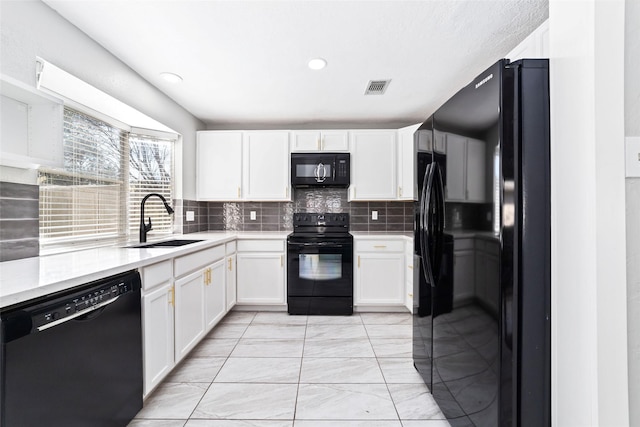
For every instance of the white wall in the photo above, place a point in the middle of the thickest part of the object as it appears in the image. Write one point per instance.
(589, 324)
(29, 28)
(632, 128)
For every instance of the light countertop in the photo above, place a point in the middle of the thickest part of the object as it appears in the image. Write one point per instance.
(25, 279)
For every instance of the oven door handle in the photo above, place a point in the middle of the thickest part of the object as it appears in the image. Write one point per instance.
(320, 244)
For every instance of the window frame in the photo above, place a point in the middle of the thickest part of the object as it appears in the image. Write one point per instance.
(126, 224)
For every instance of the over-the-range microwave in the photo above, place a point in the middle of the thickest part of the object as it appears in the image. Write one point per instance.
(320, 169)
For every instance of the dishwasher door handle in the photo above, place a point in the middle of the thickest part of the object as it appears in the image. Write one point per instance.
(78, 314)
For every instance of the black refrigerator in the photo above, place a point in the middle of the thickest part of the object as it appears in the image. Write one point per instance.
(482, 325)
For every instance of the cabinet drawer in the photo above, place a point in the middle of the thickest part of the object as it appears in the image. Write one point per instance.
(462, 244)
(380, 246)
(261, 245)
(156, 274)
(191, 262)
(230, 248)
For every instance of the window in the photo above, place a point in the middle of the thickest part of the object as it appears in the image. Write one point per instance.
(107, 171)
(150, 171)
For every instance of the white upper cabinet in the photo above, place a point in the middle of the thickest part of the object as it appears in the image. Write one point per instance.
(317, 140)
(31, 131)
(476, 171)
(266, 173)
(440, 145)
(466, 177)
(456, 169)
(241, 165)
(219, 165)
(373, 165)
(407, 182)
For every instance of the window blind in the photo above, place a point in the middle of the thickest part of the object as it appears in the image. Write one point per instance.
(96, 198)
(150, 171)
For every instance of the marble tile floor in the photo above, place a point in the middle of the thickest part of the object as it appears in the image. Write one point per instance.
(268, 369)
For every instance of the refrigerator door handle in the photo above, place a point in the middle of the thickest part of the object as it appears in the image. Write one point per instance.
(439, 226)
(426, 224)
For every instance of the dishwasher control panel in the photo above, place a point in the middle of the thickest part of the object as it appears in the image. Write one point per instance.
(78, 303)
(84, 302)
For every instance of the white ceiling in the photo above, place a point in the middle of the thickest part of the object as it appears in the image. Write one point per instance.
(244, 63)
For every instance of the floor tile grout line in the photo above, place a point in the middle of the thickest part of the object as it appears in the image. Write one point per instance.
(217, 373)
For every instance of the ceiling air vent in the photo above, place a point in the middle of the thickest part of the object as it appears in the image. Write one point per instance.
(377, 87)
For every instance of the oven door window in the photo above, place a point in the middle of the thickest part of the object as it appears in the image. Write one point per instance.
(320, 267)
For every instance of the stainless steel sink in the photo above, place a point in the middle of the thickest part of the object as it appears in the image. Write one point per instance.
(165, 244)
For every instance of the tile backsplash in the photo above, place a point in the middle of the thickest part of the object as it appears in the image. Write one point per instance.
(278, 216)
(19, 221)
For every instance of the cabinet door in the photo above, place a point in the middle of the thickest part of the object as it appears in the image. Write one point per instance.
(476, 171)
(31, 131)
(266, 166)
(305, 140)
(456, 167)
(488, 273)
(157, 314)
(373, 165)
(463, 276)
(334, 140)
(261, 278)
(189, 313)
(440, 145)
(219, 165)
(379, 278)
(231, 281)
(215, 303)
(407, 182)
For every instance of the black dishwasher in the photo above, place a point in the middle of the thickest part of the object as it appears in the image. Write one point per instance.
(73, 358)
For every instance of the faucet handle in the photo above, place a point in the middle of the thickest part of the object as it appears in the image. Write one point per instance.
(148, 227)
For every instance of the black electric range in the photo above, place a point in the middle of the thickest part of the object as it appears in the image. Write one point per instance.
(320, 265)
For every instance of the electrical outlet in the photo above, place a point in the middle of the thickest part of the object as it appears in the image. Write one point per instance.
(374, 215)
(252, 215)
(191, 216)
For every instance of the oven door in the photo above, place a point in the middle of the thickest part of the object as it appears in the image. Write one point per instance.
(320, 268)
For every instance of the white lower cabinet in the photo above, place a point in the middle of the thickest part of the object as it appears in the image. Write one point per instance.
(412, 269)
(230, 276)
(488, 273)
(464, 287)
(189, 311)
(157, 323)
(261, 272)
(182, 298)
(379, 273)
(157, 309)
(215, 301)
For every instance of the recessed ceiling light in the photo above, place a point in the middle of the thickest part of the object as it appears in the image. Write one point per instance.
(171, 77)
(317, 64)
